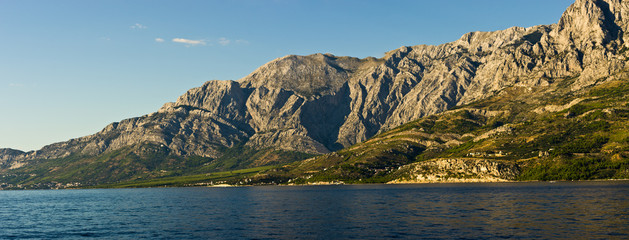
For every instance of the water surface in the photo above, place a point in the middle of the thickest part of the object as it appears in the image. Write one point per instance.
(581, 210)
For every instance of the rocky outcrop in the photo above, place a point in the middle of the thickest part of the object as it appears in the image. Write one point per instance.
(458, 170)
(8, 156)
(321, 103)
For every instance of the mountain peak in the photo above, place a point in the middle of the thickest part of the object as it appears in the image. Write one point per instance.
(588, 23)
(305, 75)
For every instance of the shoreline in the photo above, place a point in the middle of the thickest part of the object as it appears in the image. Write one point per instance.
(336, 183)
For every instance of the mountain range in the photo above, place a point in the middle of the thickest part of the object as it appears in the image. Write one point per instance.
(412, 115)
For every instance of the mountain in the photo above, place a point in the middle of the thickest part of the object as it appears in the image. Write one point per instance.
(522, 133)
(298, 106)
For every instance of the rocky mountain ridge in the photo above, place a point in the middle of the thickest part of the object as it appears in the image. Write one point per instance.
(322, 103)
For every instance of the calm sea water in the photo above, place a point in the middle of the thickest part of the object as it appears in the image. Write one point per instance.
(581, 210)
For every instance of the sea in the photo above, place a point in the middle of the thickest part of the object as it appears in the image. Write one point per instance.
(528, 210)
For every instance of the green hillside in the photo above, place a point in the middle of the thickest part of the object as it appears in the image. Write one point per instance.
(145, 165)
(543, 133)
(548, 133)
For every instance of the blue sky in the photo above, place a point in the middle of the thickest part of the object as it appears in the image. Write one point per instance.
(69, 68)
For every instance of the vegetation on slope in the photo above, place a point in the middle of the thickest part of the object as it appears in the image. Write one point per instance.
(208, 179)
(145, 165)
(550, 133)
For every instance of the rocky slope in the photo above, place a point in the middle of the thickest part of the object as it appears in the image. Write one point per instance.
(322, 103)
(521, 133)
(458, 170)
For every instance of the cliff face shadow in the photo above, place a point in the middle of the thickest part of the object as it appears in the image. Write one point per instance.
(324, 116)
(615, 32)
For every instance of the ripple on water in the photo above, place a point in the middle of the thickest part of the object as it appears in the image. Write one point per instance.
(581, 210)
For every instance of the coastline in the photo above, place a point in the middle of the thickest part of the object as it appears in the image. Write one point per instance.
(334, 183)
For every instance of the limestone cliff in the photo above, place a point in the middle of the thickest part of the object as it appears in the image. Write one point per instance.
(458, 170)
(321, 103)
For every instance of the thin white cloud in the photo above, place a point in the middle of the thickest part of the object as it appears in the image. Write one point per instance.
(160, 40)
(189, 42)
(241, 41)
(16, 85)
(224, 41)
(138, 26)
